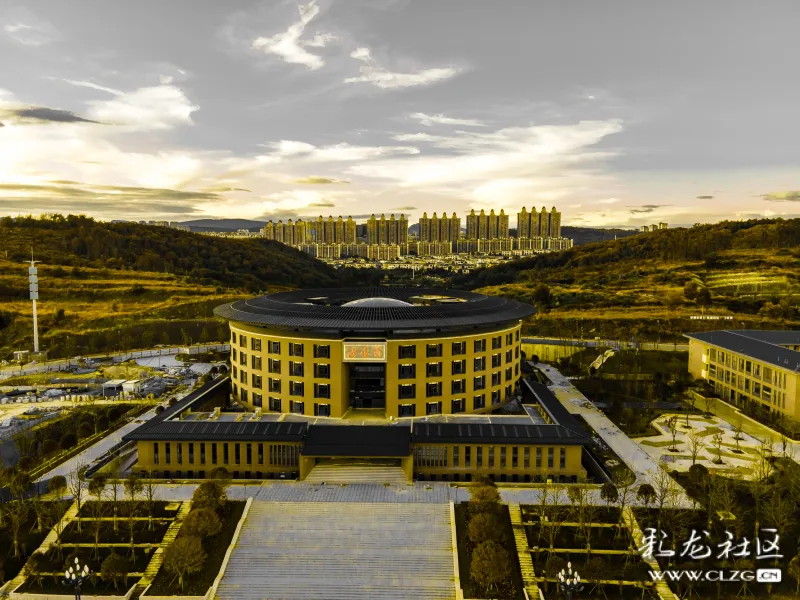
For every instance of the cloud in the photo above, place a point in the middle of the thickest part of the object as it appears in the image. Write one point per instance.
(108, 192)
(404, 208)
(226, 189)
(40, 114)
(147, 108)
(645, 208)
(288, 44)
(325, 204)
(334, 153)
(793, 196)
(440, 119)
(89, 84)
(319, 180)
(608, 201)
(27, 29)
(381, 77)
(704, 197)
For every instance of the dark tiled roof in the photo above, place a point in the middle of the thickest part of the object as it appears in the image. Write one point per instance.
(357, 440)
(322, 309)
(754, 346)
(243, 431)
(190, 399)
(552, 405)
(780, 337)
(471, 433)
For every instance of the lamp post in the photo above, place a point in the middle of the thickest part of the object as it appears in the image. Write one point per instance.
(75, 576)
(569, 581)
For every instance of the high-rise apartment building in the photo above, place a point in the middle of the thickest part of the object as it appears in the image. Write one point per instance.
(487, 227)
(544, 224)
(439, 229)
(381, 231)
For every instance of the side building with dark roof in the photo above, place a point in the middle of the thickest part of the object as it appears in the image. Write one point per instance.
(758, 369)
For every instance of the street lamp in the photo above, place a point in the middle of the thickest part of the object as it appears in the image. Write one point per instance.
(569, 581)
(75, 576)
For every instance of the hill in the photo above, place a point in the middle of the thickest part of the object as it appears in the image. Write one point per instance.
(224, 224)
(589, 235)
(650, 285)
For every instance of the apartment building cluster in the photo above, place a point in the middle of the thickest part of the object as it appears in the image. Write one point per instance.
(170, 224)
(654, 227)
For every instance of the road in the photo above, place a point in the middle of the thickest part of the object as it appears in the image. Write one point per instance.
(669, 347)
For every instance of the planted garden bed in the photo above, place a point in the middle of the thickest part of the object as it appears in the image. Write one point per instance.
(142, 534)
(160, 511)
(55, 562)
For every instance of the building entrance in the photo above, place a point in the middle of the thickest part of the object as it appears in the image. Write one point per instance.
(367, 385)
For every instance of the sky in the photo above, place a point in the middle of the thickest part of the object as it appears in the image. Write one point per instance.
(619, 113)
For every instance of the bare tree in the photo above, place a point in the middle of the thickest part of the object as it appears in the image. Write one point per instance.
(96, 487)
(665, 491)
(150, 489)
(695, 445)
(738, 433)
(75, 482)
(690, 399)
(133, 487)
(717, 442)
(17, 512)
(624, 497)
(710, 402)
(672, 424)
(115, 487)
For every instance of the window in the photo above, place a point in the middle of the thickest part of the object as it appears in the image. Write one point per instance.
(495, 396)
(479, 364)
(296, 407)
(433, 408)
(479, 382)
(243, 395)
(458, 406)
(213, 453)
(514, 457)
(433, 350)
(180, 453)
(237, 456)
(516, 335)
(225, 456)
(274, 366)
(509, 339)
(295, 349)
(322, 371)
(243, 359)
(406, 391)
(562, 459)
(433, 369)
(497, 360)
(155, 453)
(509, 374)
(459, 348)
(491, 457)
(502, 457)
(458, 367)
(275, 404)
(322, 351)
(257, 381)
(296, 369)
(243, 376)
(255, 345)
(748, 367)
(258, 400)
(497, 342)
(295, 388)
(479, 346)
(497, 378)
(467, 456)
(242, 341)
(526, 458)
(256, 360)
(261, 454)
(516, 352)
(249, 454)
(274, 347)
(233, 354)
(274, 385)
(407, 410)
(539, 457)
(479, 456)
(455, 456)
(509, 356)
(322, 410)
(233, 336)
(167, 452)
(550, 458)
(458, 386)
(202, 453)
(478, 401)
(191, 453)
(406, 371)
(235, 373)
(433, 390)
(407, 352)
(322, 390)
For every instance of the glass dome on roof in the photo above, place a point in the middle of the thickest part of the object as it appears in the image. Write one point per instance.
(377, 301)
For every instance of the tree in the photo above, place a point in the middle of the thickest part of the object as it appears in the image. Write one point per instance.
(133, 487)
(150, 490)
(114, 568)
(716, 440)
(695, 445)
(690, 290)
(794, 572)
(209, 494)
(96, 487)
(672, 425)
(183, 557)
(542, 296)
(33, 567)
(490, 565)
(609, 493)
(49, 446)
(484, 527)
(483, 498)
(646, 493)
(68, 441)
(76, 482)
(738, 433)
(202, 523)
(703, 297)
(222, 476)
(17, 512)
(114, 473)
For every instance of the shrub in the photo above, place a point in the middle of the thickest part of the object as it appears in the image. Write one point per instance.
(68, 441)
(490, 565)
(85, 430)
(114, 568)
(183, 557)
(49, 446)
(484, 527)
(209, 494)
(201, 523)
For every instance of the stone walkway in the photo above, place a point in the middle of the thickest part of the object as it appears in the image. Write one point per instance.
(418, 493)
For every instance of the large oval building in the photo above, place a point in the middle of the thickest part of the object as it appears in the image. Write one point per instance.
(403, 352)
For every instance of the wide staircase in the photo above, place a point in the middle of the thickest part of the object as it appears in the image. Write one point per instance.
(356, 472)
(342, 551)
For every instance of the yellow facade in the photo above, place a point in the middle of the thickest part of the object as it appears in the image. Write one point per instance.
(460, 365)
(739, 378)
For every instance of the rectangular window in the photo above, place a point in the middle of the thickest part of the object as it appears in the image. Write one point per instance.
(509, 356)
(274, 384)
(458, 406)
(502, 457)
(322, 371)
(202, 453)
(459, 348)
(479, 345)
(497, 378)
(458, 386)
(407, 391)
(237, 457)
(497, 342)
(260, 454)
(274, 347)
(295, 349)
(514, 457)
(516, 352)
(509, 339)
(167, 452)
(479, 456)
(433, 390)
(407, 410)
(562, 459)
(155, 453)
(213, 453)
(322, 390)
(296, 369)
(233, 354)
(275, 404)
(479, 383)
(243, 376)
(322, 351)
(495, 396)
(516, 335)
(526, 458)
(274, 366)
(467, 456)
(257, 381)
(433, 408)
(539, 457)
(322, 410)
(406, 371)
(256, 360)
(458, 367)
(242, 341)
(258, 400)
(455, 456)
(509, 374)
(478, 401)
(233, 337)
(249, 454)
(550, 458)
(243, 359)
(225, 455)
(255, 345)
(433, 350)
(295, 388)
(191, 453)
(433, 369)
(407, 352)
(298, 408)
(479, 364)
(497, 360)
(491, 457)
(179, 446)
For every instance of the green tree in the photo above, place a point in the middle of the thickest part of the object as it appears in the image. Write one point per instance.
(703, 297)
(114, 568)
(201, 523)
(209, 494)
(609, 493)
(646, 493)
(490, 565)
(484, 527)
(183, 557)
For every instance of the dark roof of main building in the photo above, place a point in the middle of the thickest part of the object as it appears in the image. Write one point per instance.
(759, 345)
(357, 440)
(323, 309)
